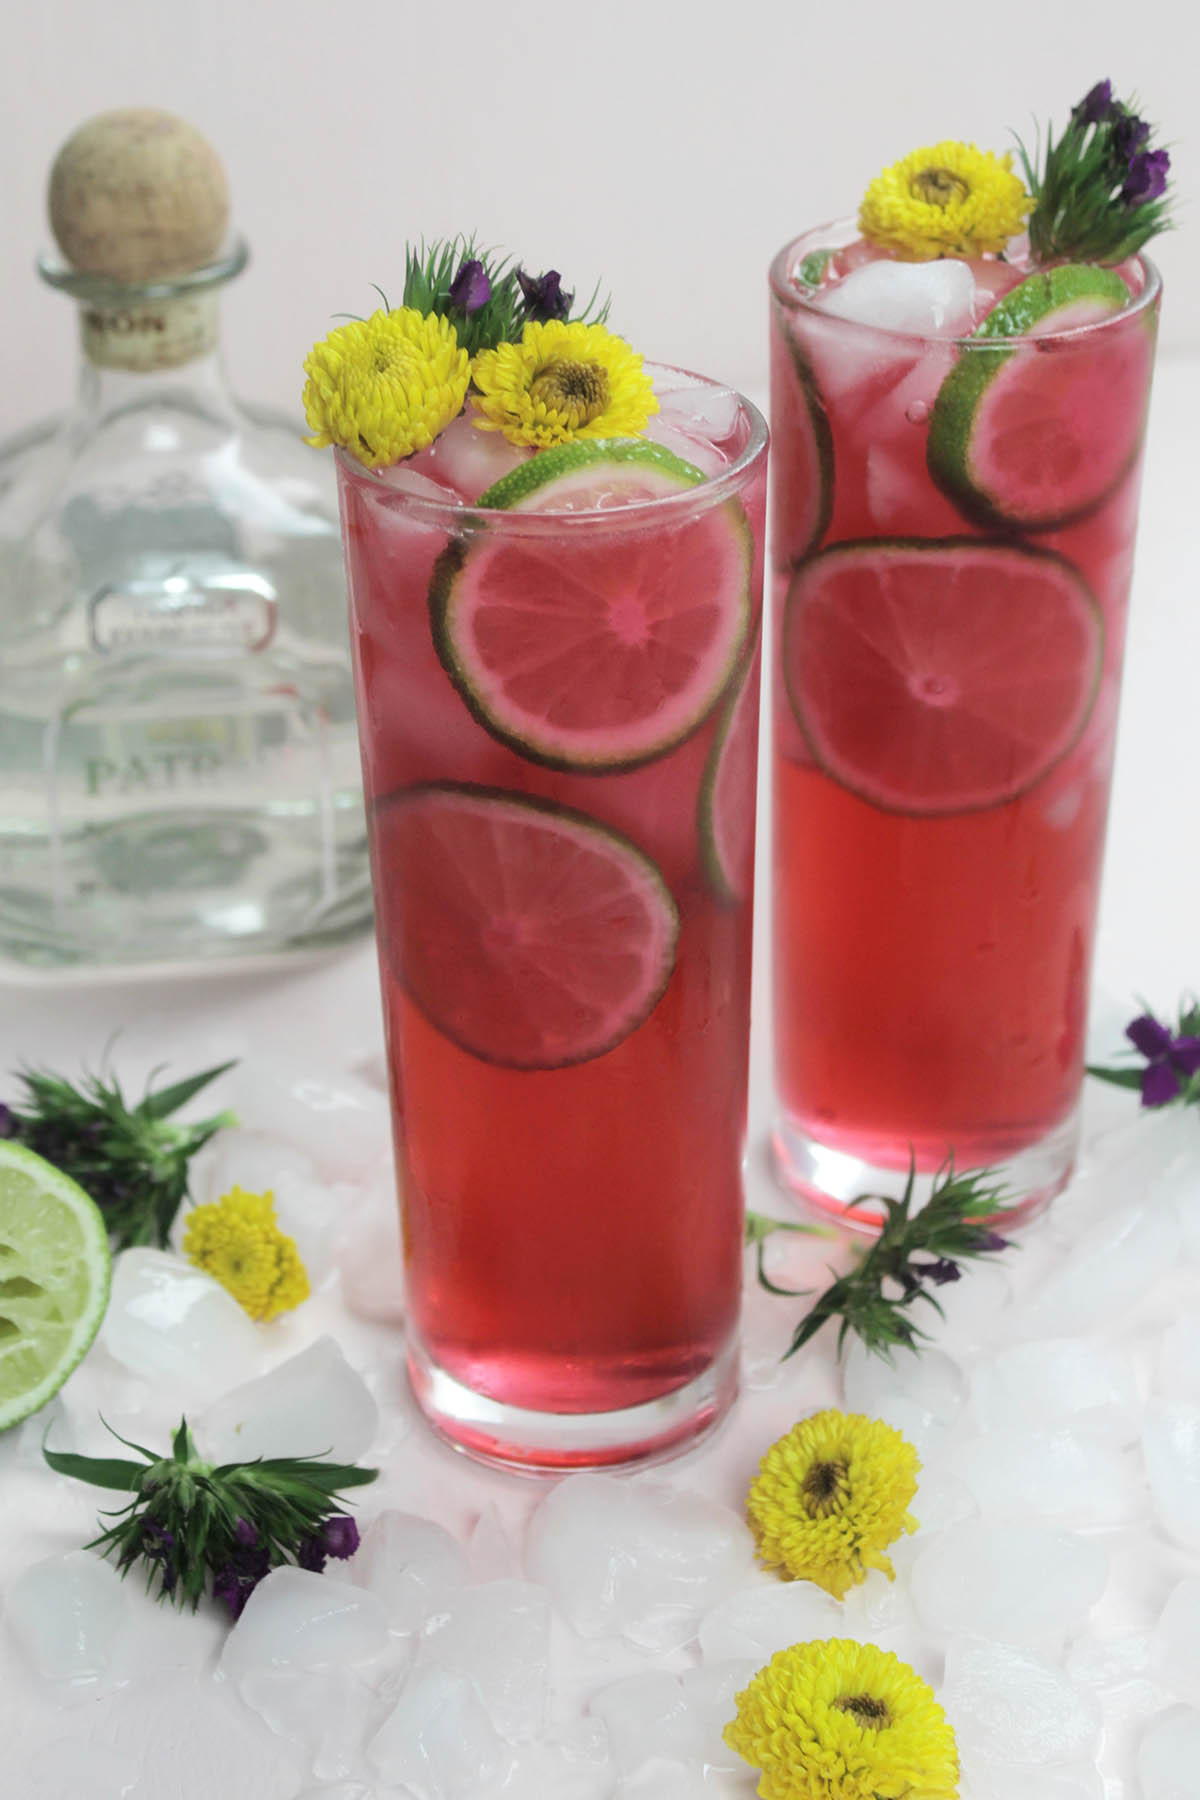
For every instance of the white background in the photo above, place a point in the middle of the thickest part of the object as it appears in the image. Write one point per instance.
(664, 148)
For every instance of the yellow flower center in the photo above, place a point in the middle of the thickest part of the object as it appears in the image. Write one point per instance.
(866, 1709)
(825, 1487)
(938, 187)
(579, 390)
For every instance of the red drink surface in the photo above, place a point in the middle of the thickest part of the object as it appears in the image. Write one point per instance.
(572, 1234)
(937, 874)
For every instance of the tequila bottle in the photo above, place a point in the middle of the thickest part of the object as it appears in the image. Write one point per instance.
(179, 770)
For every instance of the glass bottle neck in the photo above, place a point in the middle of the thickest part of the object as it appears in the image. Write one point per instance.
(107, 387)
(141, 336)
(161, 334)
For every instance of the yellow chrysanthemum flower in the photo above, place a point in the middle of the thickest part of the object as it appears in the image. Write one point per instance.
(831, 1496)
(836, 1720)
(562, 381)
(385, 386)
(947, 200)
(237, 1241)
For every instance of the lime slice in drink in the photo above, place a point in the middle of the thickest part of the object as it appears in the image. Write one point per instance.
(526, 932)
(55, 1268)
(940, 675)
(596, 649)
(1035, 435)
(801, 452)
(727, 791)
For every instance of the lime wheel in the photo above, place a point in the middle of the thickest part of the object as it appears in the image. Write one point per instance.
(940, 675)
(801, 452)
(526, 932)
(603, 647)
(1039, 433)
(726, 811)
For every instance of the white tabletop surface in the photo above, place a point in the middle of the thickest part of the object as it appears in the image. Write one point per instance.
(321, 1020)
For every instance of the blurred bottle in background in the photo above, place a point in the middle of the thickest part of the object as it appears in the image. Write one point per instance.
(179, 770)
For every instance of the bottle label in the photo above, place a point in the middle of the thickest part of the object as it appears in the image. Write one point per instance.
(179, 613)
(150, 334)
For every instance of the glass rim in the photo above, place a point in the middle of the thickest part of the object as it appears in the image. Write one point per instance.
(102, 290)
(783, 291)
(712, 491)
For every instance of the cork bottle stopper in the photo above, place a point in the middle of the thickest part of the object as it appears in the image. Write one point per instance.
(138, 195)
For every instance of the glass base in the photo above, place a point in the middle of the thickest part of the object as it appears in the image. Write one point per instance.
(825, 1179)
(516, 1438)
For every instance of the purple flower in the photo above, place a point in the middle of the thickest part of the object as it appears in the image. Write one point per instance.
(8, 1124)
(941, 1271)
(232, 1588)
(1171, 1060)
(311, 1554)
(245, 1533)
(157, 1541)
(1147, 177)
(983, 1241)
(543, 295)
(470, 288)
(339, 1535)
(237, 1579)
(1095, 105)
(1129, 135)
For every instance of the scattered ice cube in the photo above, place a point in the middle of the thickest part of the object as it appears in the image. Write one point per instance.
(411, 1564)
(497, 1635)
(710, 1698)
(991, 1782)
(1177, 1366)
(177, 1326)
(1108, 1272)
(312, 1212)
(340, 1122)
(80, 1770)
(1169, 1756)
(245, 1159)
(493, 1554)
(370, 1261)
(974, 1310)
(69, 1615)
(942, 1500)
(1102, 1662)
(1010, 1706)
(1019, 1584)
(314, 1404)
(1049, 1475)
(296, 1619)
(1187, 1209)
(646, 1716)
(921, 1395)
(757, 1621)
(929, 299)
(570, 1765)
(1124, 1168)
(324, 1710)
(1087, 1386)
(635, 1557)
(878, 1607)
(1176, 1643)
(468, 460)
(1171, 1446)
(348, 1790)
(438, 1743)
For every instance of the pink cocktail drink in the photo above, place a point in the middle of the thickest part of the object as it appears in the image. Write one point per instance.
(953, 521)
(558, 713)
